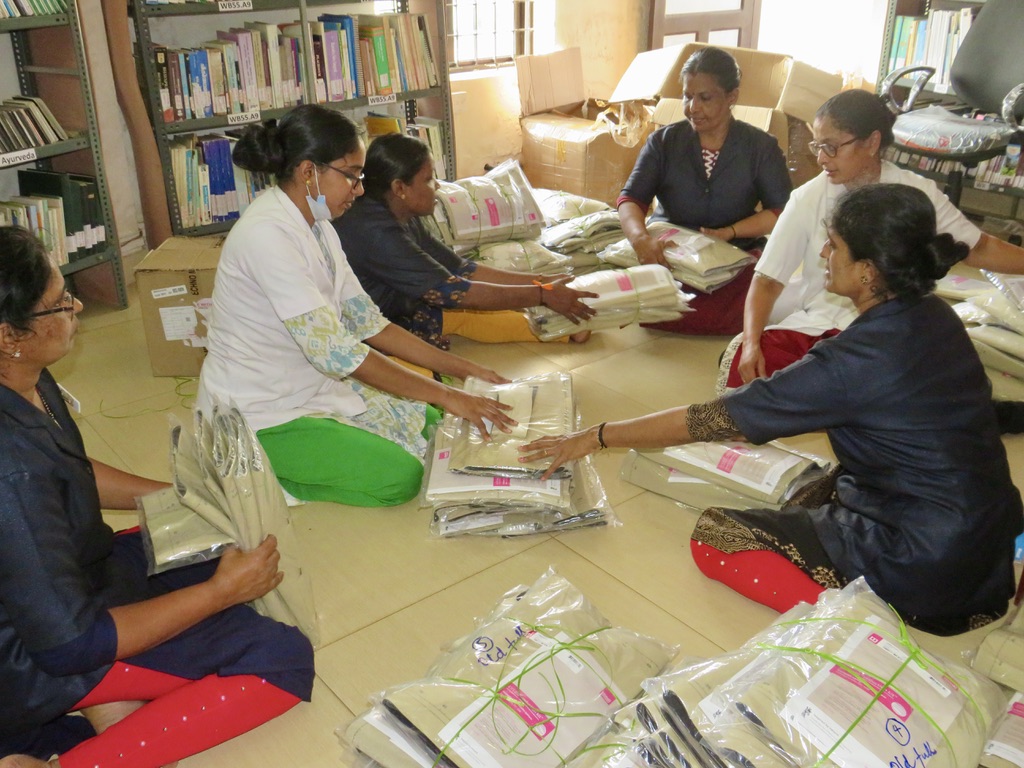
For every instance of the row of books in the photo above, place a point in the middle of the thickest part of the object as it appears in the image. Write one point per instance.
(262, 65)
(1006, 170)
(62, 209)
(210, 189)
(14, 9)
(26, 122)
(931, 41)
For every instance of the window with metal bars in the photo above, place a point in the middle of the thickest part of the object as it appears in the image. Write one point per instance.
(488, 33)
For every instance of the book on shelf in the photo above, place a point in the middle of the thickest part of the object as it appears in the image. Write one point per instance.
(930, 41)
(382, 125)
(430, 131)
(82, 229)
(375, 56)
(26, 122)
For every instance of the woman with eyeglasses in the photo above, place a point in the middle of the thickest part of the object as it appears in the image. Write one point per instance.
(711, 173)
(162, 667)
(921, 504)
(416, 279)
(301, 349)
(784, 316)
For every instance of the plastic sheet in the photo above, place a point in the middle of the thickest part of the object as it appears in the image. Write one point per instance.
(1005, 749)
(226, 492)
(591, 233)
(939, 130)
(559, 206)
(524, 689)
(839, 684)
(527, 256)
(485, 209)
(644, 294)
(702, 262)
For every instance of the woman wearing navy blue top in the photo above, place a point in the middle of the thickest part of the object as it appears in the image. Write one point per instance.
(710, 173)
(82, 628)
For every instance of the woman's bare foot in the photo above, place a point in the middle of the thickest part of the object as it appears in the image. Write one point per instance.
(580, 337)
(102, 716)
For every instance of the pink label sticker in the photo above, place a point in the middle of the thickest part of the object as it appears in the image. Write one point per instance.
(669, 234)
(452, 199)
(958, 279)
(538, 723)
(444, 454)
(492, 211)
(608, 696)
(1017, 709)
(889, 699)
(729, 458)
(625, 284)
(502, 482)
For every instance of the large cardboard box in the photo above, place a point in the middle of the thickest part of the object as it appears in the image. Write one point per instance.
(564, 147)
(175, 284)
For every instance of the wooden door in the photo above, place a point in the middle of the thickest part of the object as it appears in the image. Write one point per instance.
(719, 22)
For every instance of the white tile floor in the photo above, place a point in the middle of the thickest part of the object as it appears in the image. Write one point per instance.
(390, 596)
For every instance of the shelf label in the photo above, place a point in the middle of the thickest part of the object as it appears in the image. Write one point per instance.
(17, 158)
(389, 99)
(226, 6)
(252, 116)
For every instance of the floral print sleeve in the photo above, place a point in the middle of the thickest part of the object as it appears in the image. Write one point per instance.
(710, 421)
(329, 347)
(449, 294)
(361, 317)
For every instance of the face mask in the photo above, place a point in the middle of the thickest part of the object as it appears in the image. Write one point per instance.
(318, 207)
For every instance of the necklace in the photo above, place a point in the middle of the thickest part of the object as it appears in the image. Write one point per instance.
(46, 407)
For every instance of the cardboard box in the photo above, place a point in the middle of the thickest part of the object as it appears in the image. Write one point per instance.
(175, 283)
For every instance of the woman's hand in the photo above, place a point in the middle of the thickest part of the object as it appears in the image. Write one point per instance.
(751, 365)
(243, 576)
(722, 233)
(650, 250)
(561, 450)
(482, 412)
(486, 374)
(567, 301)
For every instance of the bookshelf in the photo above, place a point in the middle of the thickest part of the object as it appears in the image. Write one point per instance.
(412, 97)
(49, 53)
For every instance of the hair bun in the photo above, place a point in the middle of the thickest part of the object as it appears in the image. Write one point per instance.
(945, 251)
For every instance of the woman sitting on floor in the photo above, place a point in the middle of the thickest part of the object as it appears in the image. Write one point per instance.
(161, 667)
(417, 280)
(922, 504)
(711, 173)
(297, 345)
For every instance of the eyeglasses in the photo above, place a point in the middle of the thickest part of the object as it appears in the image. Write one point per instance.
(830, 150)
(353, 179)
(67, 304)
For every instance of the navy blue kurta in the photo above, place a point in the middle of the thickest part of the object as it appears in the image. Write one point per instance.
(926, 510)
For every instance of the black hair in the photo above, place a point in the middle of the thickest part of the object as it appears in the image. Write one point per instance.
(717, 63)
(893, 226)
(308, 132)
(390, 157)
(25, 273)
(860, 113)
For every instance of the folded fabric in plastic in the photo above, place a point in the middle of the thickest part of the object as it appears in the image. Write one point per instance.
(559, 206)
(227, 492)
(997, 360)
(700, 261)
(1005, 748)
(592, 232)
(542, 405)
(524, 689)
(839, 684)
(960, 287)
(644, 294)
(646, 472)
(526, 256)
(768, 474)
(1003, 339)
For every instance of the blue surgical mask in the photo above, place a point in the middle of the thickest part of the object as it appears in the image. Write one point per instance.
(318, 207)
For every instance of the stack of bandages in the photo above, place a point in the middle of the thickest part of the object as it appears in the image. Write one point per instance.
(481, 487)
(559, 206)
(583, 237)
(995, 323)
(735, 475)
(487, 209)
(645, 294)
(527, 256)
(699, 261)
(524, 689)
(841, 683)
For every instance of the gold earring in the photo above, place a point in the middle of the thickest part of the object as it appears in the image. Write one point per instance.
(864, 279)
(402, 196)
(16, 353)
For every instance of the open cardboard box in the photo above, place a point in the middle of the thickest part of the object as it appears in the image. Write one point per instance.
(563, 147)
(175, 284)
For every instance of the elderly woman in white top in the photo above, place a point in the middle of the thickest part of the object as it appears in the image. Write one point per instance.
(297, 345)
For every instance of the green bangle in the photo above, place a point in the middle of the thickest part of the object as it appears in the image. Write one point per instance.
(600, 435)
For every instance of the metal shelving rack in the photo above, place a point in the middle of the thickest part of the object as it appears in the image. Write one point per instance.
(20, 30)
(143, 14)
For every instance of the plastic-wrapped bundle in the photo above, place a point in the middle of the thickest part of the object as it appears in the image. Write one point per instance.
(542, 405)
(702, 262)
(591, 233)
(524, 689)
(486, 209)
(527, 256)
(1006, 747)
(559, 206)
(839, 684)
(939, 129)
(644, 294)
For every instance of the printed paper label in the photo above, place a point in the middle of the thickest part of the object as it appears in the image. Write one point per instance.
(377, 100)
(240, 118)
(17, 158)
(174, 290)
(227, 6)
(1007, 740)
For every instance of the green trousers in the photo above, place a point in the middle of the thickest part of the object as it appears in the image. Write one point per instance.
(318, 459)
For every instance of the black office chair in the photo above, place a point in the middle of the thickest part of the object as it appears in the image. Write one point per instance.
(988, 75)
